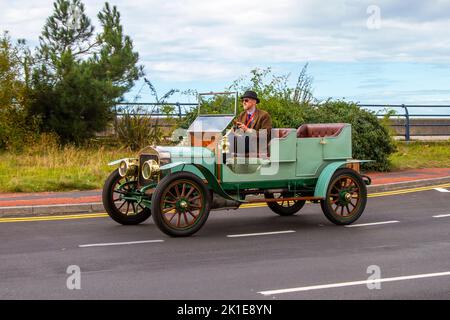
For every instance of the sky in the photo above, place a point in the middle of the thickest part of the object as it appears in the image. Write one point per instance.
(372, 52)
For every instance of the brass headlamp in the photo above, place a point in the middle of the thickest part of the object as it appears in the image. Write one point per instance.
(128, 167)
(150, 169)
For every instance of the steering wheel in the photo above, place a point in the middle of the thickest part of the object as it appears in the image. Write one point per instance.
(236, 131)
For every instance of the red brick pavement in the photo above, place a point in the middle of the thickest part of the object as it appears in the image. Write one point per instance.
(77, 197)
(379, 178)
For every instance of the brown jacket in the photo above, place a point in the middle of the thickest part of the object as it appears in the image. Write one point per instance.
(261, 120)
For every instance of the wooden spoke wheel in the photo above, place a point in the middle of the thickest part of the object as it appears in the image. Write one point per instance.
(181, 204)
(284, 207)
(119, 207)
(346, 197)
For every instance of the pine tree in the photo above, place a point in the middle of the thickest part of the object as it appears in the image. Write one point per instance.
(116, 60)
(80, 76)
(68, 29)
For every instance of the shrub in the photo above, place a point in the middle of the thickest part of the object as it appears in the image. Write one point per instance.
(16, 126)
(135, 130)
(137, 127)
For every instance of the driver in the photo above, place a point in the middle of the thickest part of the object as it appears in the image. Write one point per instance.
(254, 123)
(253, 119)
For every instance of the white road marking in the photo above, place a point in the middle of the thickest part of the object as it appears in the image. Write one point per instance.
(258, 234)
(371, 224)
(442, 216)
(441, 190)
(354, 283)
(117, 243)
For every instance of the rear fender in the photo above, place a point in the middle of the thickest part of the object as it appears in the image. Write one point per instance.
(327, 173)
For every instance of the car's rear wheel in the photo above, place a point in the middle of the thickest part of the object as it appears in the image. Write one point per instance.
(284, 207)
(181, 204)
(346, 197)
(116, 204)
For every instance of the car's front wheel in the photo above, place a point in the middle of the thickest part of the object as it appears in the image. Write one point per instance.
(181, 204)
(116, 203)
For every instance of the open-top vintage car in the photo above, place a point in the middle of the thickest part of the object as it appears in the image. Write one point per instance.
(180, 185)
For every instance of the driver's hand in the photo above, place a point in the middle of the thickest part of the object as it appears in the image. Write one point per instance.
(241, 126)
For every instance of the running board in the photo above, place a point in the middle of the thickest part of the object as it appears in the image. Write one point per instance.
(284, 199)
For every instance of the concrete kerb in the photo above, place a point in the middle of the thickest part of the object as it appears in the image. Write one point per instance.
(97, 207)
(51, 210)
(408, 184)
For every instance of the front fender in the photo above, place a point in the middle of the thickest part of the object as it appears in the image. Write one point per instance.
(209, 176)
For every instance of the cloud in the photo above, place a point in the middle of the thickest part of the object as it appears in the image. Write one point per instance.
(191, 69)
(268, 33)
(408, 97)
(189, 40)
(376, 83)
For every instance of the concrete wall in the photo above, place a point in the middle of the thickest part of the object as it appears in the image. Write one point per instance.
(427, 130)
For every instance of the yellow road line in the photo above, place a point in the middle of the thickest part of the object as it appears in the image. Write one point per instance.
(244, 206)
(51, 218)
(253, 205)
(395, 192)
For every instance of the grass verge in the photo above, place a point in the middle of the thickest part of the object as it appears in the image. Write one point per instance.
(47, 167)
(421, 154)
(51, 168)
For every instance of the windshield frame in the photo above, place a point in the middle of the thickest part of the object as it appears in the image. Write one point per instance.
(235, 93)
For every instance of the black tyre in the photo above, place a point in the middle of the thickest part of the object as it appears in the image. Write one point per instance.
(284, 207)
(181, 204)
(346, 197)
(123, 211)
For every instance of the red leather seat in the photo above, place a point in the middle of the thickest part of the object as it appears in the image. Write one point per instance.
(281, 133)
(320, 130)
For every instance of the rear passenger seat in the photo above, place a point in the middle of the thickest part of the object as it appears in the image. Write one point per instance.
(320, 130)
(281, 133)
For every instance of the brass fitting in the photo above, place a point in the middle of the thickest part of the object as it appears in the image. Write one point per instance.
(128, 167)
(225, 145)
(150, 169)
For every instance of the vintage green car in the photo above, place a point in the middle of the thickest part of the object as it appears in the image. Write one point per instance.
(212, 169)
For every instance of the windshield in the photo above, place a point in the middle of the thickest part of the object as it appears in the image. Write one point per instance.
(215, 103)
(211, 123)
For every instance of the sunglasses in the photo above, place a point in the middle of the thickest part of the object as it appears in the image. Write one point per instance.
(246, 100)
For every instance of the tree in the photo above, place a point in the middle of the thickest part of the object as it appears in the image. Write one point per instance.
(80, 76)
(116, 62)
(15, 124)
(68, 29)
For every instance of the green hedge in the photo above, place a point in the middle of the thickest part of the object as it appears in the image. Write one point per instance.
(370, 137)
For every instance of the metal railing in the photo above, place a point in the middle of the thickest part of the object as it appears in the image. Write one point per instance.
(410, 118)
(154, 109)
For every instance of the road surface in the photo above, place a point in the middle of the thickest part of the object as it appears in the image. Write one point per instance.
(398, 249)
